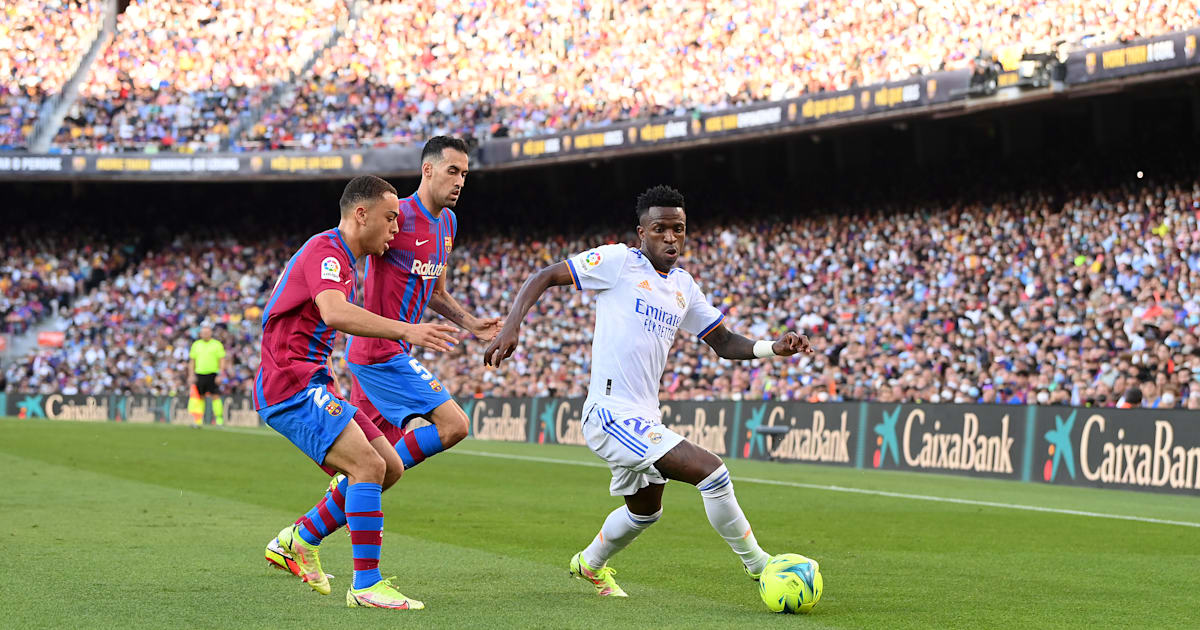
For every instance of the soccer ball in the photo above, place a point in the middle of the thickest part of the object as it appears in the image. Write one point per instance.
(791, 583)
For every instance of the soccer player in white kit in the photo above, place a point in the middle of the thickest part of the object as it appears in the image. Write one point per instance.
(642, 299)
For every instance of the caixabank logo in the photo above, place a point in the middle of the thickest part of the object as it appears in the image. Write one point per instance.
(885, 439)
(500, 419)
(755, 444)
(706, 425)
(967, 440)
(1135, 449)
(560, 422)
(802, 433)
(1059, 451)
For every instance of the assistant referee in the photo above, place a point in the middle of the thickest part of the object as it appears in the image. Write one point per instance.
(207, 362)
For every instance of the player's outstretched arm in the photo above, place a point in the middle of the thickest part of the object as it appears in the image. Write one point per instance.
(502, 346)
(730, 345)
(445, 305)
(353, 320)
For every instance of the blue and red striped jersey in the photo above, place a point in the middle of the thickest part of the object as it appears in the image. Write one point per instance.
(399, 283)
(296, 343)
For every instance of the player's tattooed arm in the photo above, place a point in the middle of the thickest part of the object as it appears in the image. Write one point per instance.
(445, 305)
(502, 346)
(730, 345)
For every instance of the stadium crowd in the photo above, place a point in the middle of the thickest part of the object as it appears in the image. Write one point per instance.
(410, 70)
(40, 274)
(179, 73)
(41, 44)
(132, 332)
(1017, 300)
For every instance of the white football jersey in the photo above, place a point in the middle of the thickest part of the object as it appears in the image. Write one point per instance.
(638, 310)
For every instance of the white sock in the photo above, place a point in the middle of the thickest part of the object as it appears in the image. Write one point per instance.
(727, 518)
(620, 528)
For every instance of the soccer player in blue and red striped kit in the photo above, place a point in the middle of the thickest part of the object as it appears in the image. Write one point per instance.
(294, 391)
(400, 283)
(388, 383)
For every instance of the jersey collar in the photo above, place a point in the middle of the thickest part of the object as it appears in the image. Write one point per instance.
(417, 198)
(643, 257)
(349, 254)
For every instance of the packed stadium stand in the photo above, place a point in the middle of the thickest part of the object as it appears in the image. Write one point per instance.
(40, 274)
(1057, 296)
(41, 44)
(408, 70)
(1053, 286)
(179, 75)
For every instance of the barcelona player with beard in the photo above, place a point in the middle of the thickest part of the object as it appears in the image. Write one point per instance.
(390, 385)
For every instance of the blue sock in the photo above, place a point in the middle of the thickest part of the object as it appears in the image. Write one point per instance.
(419, 444)
(364, 516)
(325, 517)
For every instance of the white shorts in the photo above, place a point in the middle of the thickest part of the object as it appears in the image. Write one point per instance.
(630, 446)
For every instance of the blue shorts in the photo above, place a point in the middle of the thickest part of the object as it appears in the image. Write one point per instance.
(311, 419)
(400, 388)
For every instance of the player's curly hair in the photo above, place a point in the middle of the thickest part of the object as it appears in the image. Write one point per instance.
(660, 196)
(364, 188)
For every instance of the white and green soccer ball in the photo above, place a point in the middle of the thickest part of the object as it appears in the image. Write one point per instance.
(791, 583)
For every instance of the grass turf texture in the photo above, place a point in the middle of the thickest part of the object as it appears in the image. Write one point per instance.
(155, 526)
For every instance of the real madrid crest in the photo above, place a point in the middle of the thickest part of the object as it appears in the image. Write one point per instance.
(679, 300)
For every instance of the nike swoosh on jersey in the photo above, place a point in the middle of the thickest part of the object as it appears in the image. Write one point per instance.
(420, 243)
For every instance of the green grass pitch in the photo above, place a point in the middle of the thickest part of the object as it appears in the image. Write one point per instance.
(154, 526)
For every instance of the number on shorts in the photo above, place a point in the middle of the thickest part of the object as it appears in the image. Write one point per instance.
(637, 425)
(420, 370)
(319, 396)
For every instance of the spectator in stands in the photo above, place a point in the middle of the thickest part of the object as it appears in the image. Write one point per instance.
(1132, 398)
(180, 73)
(408, 70)
(41, 45)
(1013, 299)
(40, 274)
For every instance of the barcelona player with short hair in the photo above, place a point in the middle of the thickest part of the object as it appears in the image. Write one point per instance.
(294, 391)
(389, 384)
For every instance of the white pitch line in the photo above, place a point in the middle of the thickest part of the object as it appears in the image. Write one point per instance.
(881, 493)
(813, 486)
